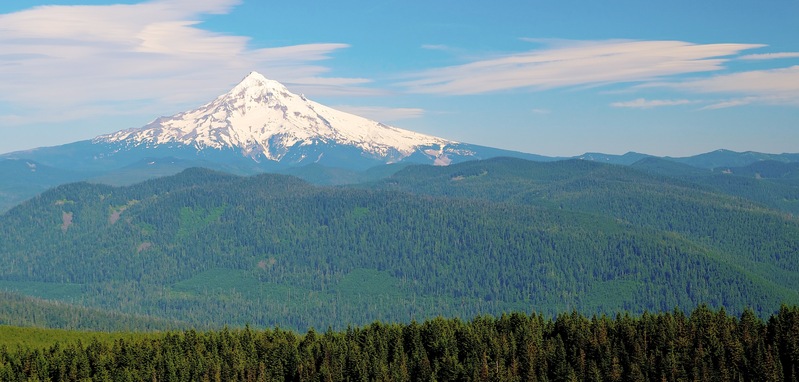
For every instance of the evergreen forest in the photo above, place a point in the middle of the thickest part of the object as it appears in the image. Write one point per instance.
(704, 345)
(206, 249)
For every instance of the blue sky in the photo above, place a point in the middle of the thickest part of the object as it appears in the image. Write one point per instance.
(555, 78)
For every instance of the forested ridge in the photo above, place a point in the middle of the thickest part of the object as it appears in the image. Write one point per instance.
(475, 238)
(25, 311)
(704, 345)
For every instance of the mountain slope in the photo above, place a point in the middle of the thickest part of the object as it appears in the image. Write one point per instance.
(263, 119)
(20, 310)
(485, 237)
(728, 158)
(768, 169)
(22, 179)
(699, 214)
(771, 183)
(626, 159)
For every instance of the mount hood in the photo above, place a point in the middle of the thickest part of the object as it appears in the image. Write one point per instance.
(262, 120)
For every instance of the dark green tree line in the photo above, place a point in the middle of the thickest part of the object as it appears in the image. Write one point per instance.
(705, 345)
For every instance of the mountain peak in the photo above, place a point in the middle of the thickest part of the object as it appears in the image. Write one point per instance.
(262, 118)
(257, 80)
(256, 76)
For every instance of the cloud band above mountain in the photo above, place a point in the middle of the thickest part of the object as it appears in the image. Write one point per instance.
(65, 58)
(576, 63)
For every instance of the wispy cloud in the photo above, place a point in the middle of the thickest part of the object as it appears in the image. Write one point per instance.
(435, 47)
(332, 86)
(576, 63)
(65, 58)
(383, 114)
(772, 86)
(770, 56)
(642, 103)
(763, 82)
(730, 103)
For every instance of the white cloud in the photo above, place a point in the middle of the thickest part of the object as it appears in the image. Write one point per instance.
(332, 86)
(770, 56)
(772, 86)
(64, 59)
(383, 114)
(435, 47)
(576, 63)
(730, 103)
(761, 82)
(84, 112)
(642, 103)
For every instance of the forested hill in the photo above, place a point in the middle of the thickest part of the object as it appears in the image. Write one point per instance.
(480, 237)
(24, 311)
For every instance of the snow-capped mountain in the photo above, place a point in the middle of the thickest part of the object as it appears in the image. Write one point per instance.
(262, 119)
(258, 126)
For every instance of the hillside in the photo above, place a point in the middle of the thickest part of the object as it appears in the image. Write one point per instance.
(25, 311)
(772, 183)
(728, 158)
(23, 179)
(478, 237)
